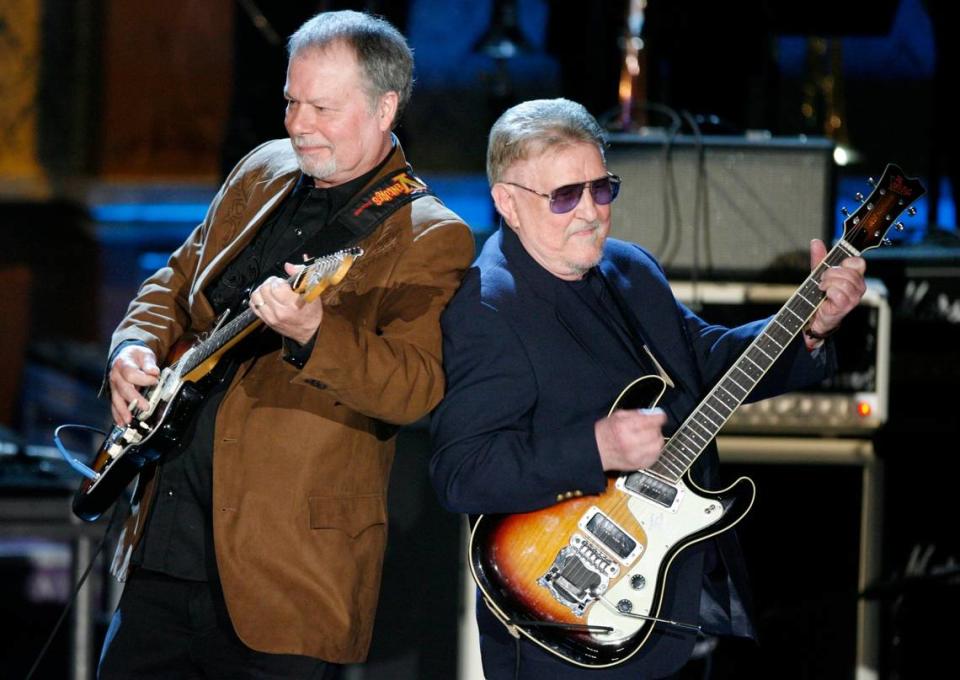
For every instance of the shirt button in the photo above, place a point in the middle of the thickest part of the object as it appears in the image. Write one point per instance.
(298, 231)
(170, 492)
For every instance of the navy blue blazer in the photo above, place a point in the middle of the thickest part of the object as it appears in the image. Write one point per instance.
(532, 362)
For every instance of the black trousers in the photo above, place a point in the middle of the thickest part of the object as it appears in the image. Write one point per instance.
(174, 629)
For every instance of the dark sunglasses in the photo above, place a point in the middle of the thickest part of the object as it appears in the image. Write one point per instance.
(567, 197)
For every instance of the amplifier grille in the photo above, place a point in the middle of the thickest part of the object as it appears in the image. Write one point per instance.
(757, 204)
(855, 400)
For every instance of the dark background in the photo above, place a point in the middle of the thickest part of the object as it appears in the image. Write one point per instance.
(122, 117)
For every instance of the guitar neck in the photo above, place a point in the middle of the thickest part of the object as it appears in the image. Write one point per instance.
(309, 282)
(220, 341)
(706, 420)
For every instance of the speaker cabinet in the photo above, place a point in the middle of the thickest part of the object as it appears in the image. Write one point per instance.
(724, 207)
(812, 544)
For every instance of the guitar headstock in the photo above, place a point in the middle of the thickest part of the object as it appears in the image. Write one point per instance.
(324, 272)
(895, 193)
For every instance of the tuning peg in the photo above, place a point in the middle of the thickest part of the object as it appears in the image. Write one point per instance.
(898, 226)
(911, 211)
(886, 242)
(872, 182)
(859, 197)
(846, 213)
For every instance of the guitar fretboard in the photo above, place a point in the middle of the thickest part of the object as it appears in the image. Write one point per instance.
(703, 424)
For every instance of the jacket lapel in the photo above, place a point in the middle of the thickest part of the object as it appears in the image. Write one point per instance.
(652, 335)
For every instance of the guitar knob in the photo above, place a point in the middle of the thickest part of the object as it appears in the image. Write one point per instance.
(637, 582)
(625, 606)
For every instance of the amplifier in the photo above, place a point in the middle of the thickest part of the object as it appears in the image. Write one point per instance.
(853, 401)
(724, 207)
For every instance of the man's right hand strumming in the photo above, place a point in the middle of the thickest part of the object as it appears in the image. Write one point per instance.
(630, 439)
(135, 366)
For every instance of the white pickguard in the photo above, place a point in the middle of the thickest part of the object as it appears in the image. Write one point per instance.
(665, 528)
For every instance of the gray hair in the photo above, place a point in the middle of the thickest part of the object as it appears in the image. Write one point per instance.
(534, 126)
(383, 53)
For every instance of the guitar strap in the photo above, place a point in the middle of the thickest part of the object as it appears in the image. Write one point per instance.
(366, 211)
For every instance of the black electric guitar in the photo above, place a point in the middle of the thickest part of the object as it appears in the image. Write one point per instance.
(585, 578)
(173, 400)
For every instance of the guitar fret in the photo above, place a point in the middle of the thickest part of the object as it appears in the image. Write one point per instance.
(683, 458)
(714, 426)
(696, 438)
(701, 439)
(780, 335)
(769, 346)
(779, 323)
(744, 367)
(801, 309)
(659, 469)
(791, 324)
(719, 407)
(665, 460)
(732, 387)
(690, 443)
(697, 423)
(671, 454)
(760, 349)
(758, 358)
(839, 254)
(799, 318)
(811, 295)
(722, 417)
(726, 398)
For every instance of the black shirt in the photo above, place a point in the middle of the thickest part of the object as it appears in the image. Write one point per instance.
(178, 540)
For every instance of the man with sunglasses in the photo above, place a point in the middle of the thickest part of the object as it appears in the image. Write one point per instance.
(550, 324)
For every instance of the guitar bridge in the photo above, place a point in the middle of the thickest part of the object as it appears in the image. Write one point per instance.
(579, 575)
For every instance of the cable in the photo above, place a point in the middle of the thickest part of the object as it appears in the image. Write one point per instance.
(671, 204)
(72, 461)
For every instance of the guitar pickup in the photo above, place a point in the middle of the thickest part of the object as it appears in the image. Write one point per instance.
(649, 487)
(610, 535)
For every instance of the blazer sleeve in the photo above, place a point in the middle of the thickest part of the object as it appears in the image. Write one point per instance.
(392, 371)
(488, 455)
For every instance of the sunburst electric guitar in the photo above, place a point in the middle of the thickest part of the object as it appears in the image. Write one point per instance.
(585, 578)
(173, 400)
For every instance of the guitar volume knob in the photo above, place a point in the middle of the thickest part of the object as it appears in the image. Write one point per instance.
(625, 606)
(637, 582)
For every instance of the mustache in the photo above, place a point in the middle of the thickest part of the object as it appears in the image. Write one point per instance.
(593, 225)
(300, 142)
